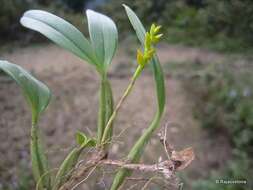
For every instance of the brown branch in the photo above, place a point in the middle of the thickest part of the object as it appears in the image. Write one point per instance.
(175, 161)
(81, 170)
(140, 167)
(165, 168)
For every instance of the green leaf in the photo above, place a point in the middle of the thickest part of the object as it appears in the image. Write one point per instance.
(59, 31)
(84, 141)
(90, 143)
(66, 167)
(38, 96)
(136, 151)
(36, 93)
(81, 138)
(136, 24)
(103, 35)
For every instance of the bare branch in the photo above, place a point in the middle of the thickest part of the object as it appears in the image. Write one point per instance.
(82, 181)
(148, 182)
(176, 160)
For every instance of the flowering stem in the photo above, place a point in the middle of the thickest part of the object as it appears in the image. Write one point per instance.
(122, 99)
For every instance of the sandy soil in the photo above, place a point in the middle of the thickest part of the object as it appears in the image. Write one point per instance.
(74, 107)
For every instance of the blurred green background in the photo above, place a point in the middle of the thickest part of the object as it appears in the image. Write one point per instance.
(224, 25)
(221, 89)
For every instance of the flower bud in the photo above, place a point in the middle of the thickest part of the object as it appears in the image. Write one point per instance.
(148, 41)
(157, 29)
(152, 29)
(157, 38)
(140, 58)
(148, 55)
(151, 38)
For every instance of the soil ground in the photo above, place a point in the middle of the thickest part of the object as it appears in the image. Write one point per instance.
(74, 103)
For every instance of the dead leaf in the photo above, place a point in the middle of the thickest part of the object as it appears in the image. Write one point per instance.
(183, 158)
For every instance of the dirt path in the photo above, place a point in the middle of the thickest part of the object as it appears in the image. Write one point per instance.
(74, 107)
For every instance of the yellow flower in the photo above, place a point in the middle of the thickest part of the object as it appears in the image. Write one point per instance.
(148, 41)
(157, 29)
(149, 54)
(151, 38)
(140, 58)
(157, 38)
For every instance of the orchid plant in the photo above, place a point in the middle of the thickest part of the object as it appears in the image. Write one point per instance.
(98, 51)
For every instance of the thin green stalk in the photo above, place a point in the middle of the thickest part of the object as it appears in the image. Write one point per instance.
(122, 99)
(136, 151)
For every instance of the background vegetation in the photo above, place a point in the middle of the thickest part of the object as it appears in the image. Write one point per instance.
(225, 105)
(224, 25)
(223, 102)
(217, 24)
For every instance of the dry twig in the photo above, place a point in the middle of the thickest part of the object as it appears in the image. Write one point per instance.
(175, 161)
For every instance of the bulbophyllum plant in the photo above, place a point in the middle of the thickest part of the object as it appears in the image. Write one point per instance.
(98, 52)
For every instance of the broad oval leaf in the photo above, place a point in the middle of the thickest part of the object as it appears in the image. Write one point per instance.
(103, 35)
(36, 93)
(38, 96)
(59, 31)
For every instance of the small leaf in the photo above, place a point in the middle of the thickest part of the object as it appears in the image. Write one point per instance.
(84, 141)
(91, 143)
(59, 31)
(36, 93)
(81, 138)
(103, 35)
